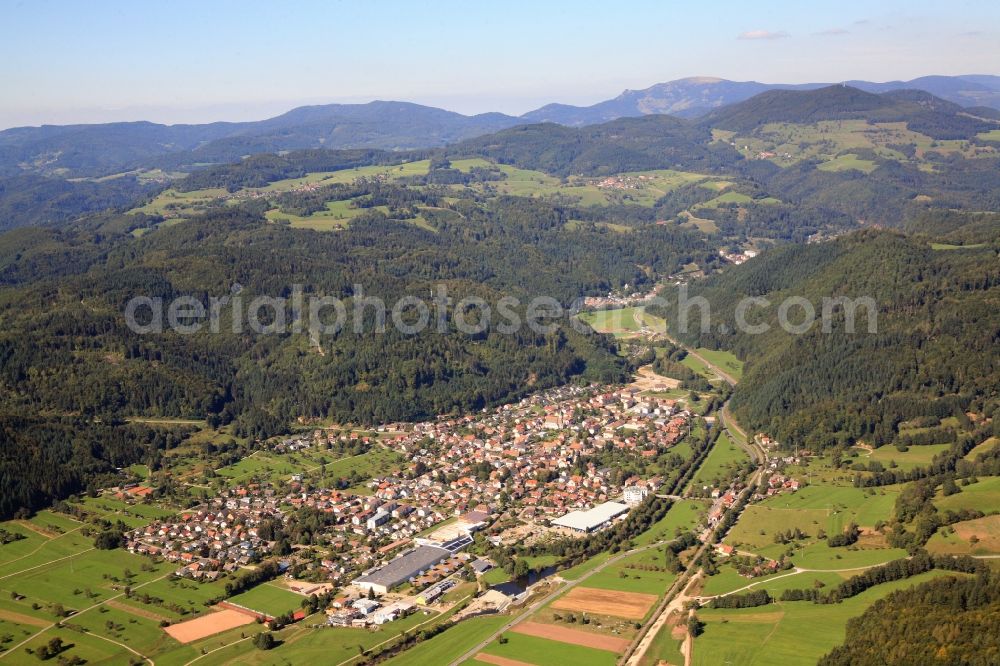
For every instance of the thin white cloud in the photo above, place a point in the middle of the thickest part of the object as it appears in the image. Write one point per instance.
(763, 34)
(832, 32)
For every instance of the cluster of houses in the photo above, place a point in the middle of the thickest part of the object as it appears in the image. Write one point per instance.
(221, 537)
(532, 460)
(738, 258)
(530, 453)
(623, 182)
(620, 299)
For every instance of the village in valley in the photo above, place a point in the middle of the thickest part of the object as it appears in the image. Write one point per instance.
(522, 474)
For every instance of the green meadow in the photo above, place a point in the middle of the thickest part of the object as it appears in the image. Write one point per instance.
(270, 599)
(452, 643)
(720, 463)
(724, 360)
(544, 652)
(847, 162)
(619, 322)
(789, 633)
(683, 515)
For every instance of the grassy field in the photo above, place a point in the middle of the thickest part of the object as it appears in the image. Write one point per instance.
(724, 360)
(630, 574)
(719, 464)
(543, 652)
(835, 141)
(573, 573)
(273, 466)
(683, 515)
(992, 135)
(133, 515)
(698, 366)
(663, 648)
(270, 599)
(971, 537)
(847, 162)
(448, 646)
(785, 632)
(620, 322)
(983, 495)
(916, 456)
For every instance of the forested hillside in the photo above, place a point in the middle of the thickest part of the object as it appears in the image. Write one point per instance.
(934, 352)
(66, 353)
(950, 620)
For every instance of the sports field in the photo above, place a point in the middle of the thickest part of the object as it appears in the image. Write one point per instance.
(269, 599)
(620, 322)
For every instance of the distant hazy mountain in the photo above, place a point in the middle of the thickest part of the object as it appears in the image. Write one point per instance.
(92, 150)
(920, 110)
(110, 147)
(696, 96)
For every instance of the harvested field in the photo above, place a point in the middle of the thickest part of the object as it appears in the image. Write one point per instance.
(500, 661)
(630, 605)
(208, 625)
(575, 636)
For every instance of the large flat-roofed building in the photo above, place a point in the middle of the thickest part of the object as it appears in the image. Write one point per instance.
(592, 519)
(403, 568)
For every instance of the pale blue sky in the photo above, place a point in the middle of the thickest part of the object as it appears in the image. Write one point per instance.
(181, 61)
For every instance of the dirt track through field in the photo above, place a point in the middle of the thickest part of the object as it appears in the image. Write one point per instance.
(630, 605)
(575, 636)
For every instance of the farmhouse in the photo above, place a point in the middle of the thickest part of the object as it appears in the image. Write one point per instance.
(592, 519)
(402, 569)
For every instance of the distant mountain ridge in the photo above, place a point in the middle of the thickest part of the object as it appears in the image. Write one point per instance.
(93, 149)
(102, 149)
(696, 96)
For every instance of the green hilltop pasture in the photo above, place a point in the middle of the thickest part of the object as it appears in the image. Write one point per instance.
(984, 495)
(832, 142)
(847, 162)
(916, 456)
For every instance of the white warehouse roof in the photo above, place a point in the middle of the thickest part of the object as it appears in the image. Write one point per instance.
(591, 519)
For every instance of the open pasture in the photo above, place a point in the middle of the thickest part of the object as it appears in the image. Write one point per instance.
(719, 464)
(970, 537)
(798, 632)
(544, 652)
(984, 495)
